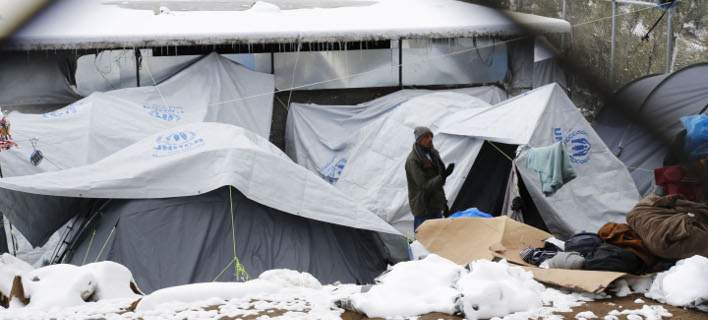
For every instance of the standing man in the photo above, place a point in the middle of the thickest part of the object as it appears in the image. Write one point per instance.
(426, 174)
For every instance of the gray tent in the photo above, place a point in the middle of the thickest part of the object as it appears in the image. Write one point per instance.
(667, 97)
(165, 207)
(167, 242)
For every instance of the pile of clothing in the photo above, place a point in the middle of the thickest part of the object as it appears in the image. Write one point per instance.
(671, 227)
(616, 247)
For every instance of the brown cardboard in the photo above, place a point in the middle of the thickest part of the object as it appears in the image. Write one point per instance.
(467, 239)
(584, 280)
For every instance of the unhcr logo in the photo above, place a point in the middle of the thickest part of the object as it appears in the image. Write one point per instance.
(176, 142)
(577, 143)
(165, 113)
(61, 113)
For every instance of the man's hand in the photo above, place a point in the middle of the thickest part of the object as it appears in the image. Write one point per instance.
(449, 169)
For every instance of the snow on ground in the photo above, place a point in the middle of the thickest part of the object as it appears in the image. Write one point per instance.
(412, 288)
(493, 289)
(485, 290)
(482, 290)
(654, 312)
(683, 285)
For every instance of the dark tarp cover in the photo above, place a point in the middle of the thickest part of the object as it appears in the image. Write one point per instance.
(37, 228)
(662, 98)
(37, 79)
(167, 242)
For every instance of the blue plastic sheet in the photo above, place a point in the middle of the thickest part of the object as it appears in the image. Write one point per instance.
(696, 135)
(470, 213)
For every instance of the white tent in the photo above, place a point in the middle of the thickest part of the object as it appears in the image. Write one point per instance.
(160, 207)
(319, 137)
(602, 192)
(84, 24)
(190, 160)
(212, 89)
(374, 172)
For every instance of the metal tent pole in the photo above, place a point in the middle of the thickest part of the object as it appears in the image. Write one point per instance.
(669, 40)
(400, 63)
(563, 16)
(612, 43)
(138, 60)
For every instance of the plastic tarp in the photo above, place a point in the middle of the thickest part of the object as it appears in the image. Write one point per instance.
(36, 79)
(664, 99)
(375, 172)
(83, 24)
(321, 137)
(176, 241)
(545, 68)
(183, 161)
(212, 89)
(602, 192)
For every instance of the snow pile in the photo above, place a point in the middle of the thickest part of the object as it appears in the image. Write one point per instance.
(290, 278)
(63, 285)
(60, 286)
(683, 285)
(487, 290)
(9, 268)
(290, 293)
(412, 288)
(629, 285)
(554, 301)
(654, 312)
(112, 280)
(494, 289)
(268, 285)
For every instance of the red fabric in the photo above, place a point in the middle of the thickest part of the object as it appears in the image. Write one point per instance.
(674, 181)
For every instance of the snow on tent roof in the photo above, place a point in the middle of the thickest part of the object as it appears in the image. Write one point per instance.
(665, 98)
(90, 24)
(184, 161)
(212, 89)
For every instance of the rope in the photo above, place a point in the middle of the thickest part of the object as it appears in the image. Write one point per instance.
(106, 242)
(292, 79)
(154, 83)
(500, 151)
(93, 235)
(239, 270)
(610, 17)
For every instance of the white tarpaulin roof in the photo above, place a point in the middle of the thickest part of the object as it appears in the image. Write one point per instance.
(374, 171)
(376, 149)
(212, 89)
(320, 137)
(196, 158)
(602, 192)
(84, 24)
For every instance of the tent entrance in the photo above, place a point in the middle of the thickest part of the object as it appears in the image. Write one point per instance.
(486, 184)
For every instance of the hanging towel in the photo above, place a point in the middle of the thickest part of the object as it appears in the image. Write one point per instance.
(553, 166)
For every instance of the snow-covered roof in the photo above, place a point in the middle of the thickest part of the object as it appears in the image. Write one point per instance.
(93, 24)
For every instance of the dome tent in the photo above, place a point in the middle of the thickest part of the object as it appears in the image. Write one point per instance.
(173, 197)
(666, 98)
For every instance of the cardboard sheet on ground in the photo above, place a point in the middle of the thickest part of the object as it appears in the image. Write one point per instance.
(467, 239)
